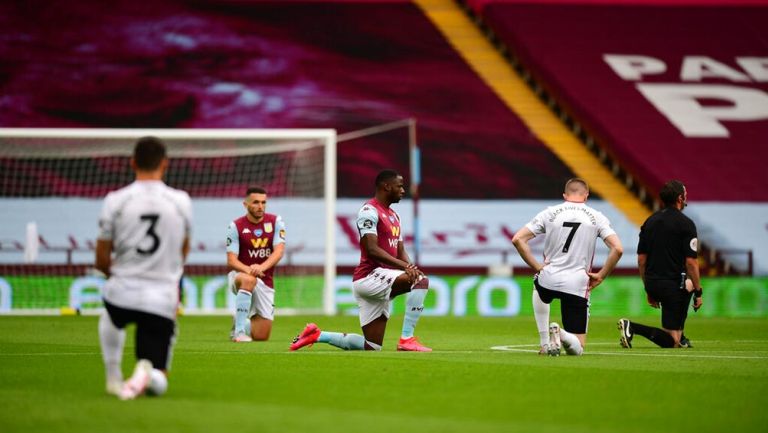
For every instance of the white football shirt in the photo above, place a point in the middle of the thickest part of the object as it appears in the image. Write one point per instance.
(147, 222)
(571, 229)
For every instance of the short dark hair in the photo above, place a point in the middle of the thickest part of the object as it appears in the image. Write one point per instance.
(576, 180)
(148, 153)
(671, 191)
(385, 176)
(255, 190)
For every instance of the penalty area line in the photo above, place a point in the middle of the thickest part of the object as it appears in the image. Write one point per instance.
(521, 348)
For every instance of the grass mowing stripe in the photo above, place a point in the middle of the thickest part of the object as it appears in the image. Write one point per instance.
(51, 379)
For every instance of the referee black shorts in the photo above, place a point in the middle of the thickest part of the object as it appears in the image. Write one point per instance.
(674, 302)
(573, 309)
(154, 334)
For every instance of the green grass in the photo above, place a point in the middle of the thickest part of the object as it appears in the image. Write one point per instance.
(51, 379)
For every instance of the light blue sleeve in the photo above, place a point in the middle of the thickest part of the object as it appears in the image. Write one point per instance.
(233, 239)
(280, 231)
(367, 219)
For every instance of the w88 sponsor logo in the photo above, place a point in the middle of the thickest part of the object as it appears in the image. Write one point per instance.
(261, 253)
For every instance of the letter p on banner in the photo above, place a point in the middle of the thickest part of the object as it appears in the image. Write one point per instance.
(679, 103)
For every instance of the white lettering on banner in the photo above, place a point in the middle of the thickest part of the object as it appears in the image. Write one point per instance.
(6, 296)
(756, 67)
(344, 295)
(633, 67)
(190, 293)
(460, 294)
(507, 285)
(441, 291)
(679, 103)
(85, 290)
(696, 68)
(209, 293)
(746, 297)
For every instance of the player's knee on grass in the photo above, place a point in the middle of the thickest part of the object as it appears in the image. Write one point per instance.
(576, 350)
(372, 346)
(260, 328)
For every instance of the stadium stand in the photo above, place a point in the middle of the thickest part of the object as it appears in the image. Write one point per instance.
(212, 64)
(664, 100)
(613, 109)
(335, 64)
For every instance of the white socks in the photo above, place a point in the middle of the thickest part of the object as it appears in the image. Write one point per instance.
(112, 341)
(541, 313)
(571, 343)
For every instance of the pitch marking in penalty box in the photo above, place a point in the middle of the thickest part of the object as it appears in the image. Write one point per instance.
(521, 348)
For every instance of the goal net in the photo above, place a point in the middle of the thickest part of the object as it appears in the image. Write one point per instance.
(53, 181)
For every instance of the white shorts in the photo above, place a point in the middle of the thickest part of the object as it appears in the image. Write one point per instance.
(262, 297)
(372, 293)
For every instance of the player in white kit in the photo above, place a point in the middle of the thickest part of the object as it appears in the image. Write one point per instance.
(143, 240)
(571, 230)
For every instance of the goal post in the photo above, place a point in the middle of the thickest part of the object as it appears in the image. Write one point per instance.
(53, 180)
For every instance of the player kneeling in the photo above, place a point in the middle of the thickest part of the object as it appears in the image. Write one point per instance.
(385, 271)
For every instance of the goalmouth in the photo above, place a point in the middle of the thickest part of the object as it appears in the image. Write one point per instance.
(52, 181)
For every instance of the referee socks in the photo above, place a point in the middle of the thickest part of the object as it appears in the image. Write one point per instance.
(658, 336)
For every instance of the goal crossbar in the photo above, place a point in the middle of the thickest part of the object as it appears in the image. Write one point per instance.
(234, 142)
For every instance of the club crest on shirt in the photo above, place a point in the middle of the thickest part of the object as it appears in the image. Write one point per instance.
(258, 233)
(259, 243)
(392, 219)
(268, 227)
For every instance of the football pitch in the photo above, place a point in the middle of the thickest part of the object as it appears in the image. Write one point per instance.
(484, 376)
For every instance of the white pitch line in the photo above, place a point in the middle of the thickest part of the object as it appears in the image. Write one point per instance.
(518, 348)
(521, 348)
(52, 354)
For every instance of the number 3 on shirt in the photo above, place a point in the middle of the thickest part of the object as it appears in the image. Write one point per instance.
(152, 218)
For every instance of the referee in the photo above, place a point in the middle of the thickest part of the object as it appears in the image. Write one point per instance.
(666, 257)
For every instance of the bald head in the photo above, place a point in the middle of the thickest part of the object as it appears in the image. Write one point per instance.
(576, 189)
